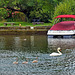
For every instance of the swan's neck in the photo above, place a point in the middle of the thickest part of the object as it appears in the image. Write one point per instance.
(59, 52)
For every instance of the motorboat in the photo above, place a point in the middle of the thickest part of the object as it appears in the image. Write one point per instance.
(63, 29)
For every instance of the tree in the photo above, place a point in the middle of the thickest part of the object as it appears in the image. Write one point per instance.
(24, 6)
(66, 7)
(43, 9)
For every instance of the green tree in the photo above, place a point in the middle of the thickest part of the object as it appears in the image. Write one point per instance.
(43, 9)
(66, 7)
(62, 8)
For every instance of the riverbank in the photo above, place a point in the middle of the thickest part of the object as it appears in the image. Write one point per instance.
(28, 30)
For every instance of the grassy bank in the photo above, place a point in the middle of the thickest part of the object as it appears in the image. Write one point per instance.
(24, 29)
(26, 24)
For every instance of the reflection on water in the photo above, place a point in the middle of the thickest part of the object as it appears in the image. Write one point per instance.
(63, 43)
(36, 46)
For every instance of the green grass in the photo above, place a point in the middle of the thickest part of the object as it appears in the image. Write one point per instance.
(26, 24)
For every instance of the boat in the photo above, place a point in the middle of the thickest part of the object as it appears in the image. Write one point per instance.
(63, 29)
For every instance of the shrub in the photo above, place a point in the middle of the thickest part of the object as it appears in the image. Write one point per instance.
(18, 16)
(3, 14)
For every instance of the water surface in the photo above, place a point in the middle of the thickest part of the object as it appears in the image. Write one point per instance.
(40, 46)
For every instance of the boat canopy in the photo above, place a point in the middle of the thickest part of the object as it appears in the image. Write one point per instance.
(65, 25)
(65, 16)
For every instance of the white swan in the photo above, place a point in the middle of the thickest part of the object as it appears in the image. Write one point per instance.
(56, 54)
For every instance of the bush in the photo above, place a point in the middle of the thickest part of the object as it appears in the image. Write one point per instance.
(18, 16)
(3, 14)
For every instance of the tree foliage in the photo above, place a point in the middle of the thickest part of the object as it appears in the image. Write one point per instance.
(66, 7)
(42, 9)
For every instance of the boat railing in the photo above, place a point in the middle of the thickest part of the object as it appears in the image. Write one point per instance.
(62, 31)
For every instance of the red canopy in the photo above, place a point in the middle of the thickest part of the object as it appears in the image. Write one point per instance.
(65, 16)
(65, 25)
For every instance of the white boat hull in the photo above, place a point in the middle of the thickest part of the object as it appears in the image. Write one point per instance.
(60, 33)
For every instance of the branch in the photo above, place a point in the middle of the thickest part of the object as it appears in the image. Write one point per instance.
(12, 9)
(24, 11)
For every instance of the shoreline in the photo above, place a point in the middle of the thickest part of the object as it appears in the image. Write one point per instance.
(38, 30)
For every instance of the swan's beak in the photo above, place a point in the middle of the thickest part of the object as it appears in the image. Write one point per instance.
(60, 49)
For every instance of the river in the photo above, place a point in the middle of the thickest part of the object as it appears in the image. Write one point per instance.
(32, 46)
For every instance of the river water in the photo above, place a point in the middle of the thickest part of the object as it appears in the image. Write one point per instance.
(22, 47)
